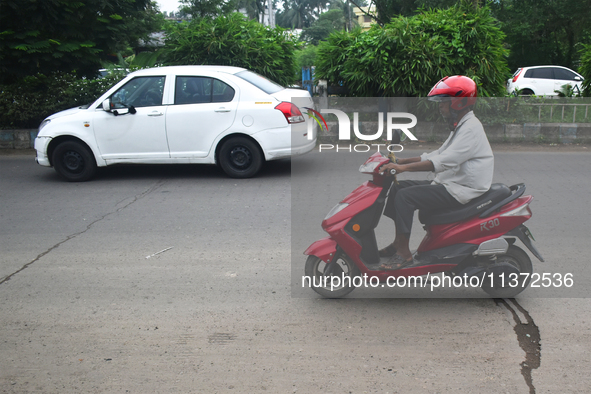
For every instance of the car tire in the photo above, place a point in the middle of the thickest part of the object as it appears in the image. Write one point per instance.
(240, 157)
(74, 162)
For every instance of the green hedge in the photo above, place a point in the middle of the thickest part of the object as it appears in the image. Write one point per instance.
(25, 103)
(233, 41)
(409, 55)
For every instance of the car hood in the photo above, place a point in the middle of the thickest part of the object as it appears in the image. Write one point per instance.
(67, 112)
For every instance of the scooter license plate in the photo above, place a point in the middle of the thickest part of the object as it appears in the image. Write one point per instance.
(528, 233)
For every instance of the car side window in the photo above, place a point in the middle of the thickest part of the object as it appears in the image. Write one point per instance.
(195, 90)
(222, 92)
(192, 90)
(540, 73)
(139, 92)
(560, 73)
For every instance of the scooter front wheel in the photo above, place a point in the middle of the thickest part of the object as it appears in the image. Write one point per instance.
(338, 284)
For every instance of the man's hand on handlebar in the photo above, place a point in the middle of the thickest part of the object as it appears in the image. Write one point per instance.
(391, 166)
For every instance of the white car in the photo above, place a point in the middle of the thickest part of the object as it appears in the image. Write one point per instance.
(180, 114)
(543, 80)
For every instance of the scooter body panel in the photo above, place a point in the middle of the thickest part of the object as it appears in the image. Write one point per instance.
(475, 230)
(324, 249)
(359, 199)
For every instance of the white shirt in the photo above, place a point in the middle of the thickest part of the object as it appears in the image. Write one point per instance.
(465, 163)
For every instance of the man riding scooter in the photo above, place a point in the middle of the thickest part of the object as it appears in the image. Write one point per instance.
(463, 165)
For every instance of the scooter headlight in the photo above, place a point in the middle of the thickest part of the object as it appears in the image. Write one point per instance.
(336, 209)
(369, 168)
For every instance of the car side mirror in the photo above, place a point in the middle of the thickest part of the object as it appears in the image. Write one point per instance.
(577, 78)
(107, 105)
(127, 109)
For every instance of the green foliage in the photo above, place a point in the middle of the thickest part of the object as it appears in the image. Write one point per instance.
(388, 9)
(62, 35)
(332, 55)
(585, 69)
(24, 104)
(306, 57)
(410, 54)
(233, 41)
(567, 91)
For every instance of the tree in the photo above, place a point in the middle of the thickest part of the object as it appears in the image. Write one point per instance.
(208, 8)
(62, 35)
(543, 31)
(296, 14)
(326, 23)
(255, 9)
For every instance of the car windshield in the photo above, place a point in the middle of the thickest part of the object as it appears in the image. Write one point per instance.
(260, 82)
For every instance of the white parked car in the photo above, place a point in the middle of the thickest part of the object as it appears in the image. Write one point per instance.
(179, 114)
(543, 80)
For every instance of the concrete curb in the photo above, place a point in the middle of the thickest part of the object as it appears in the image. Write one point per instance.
(17, 139)
(560, 133)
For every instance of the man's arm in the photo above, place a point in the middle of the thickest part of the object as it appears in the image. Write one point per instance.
(414, 166)
(408, 160)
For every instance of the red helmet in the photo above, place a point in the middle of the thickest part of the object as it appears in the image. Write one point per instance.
(461, 90)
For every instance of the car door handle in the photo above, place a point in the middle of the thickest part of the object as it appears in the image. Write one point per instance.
(155, 113)
(223, 109)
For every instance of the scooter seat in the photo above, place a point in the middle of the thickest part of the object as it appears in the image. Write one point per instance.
(495, 194)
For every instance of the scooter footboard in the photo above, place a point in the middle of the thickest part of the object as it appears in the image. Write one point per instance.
(324, 249)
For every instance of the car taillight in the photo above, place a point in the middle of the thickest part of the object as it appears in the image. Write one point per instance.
(517, 75)
(291, 112)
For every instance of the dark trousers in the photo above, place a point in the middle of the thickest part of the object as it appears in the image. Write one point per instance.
(407, 196)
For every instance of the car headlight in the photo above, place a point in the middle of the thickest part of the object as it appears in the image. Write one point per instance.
(44, 123)
(369, 168)
(336, 209)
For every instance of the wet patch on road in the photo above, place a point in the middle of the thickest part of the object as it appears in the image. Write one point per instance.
(528, 336)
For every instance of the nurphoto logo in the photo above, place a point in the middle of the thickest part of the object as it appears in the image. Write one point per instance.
(344, 127)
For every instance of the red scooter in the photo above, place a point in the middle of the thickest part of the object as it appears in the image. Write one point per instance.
(475, 243)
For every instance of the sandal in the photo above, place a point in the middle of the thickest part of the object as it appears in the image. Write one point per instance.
(388, 251)
(396, 263)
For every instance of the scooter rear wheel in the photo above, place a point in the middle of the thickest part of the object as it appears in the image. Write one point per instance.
(321, 283)
(520, 260)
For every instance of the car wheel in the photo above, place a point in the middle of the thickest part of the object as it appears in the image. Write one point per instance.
(240, 157)
(527, 92)
(74, 162)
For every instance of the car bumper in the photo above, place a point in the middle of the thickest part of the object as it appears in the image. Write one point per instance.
(41, 144)
(288, 152)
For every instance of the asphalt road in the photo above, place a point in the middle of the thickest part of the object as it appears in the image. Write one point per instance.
(176, 279)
